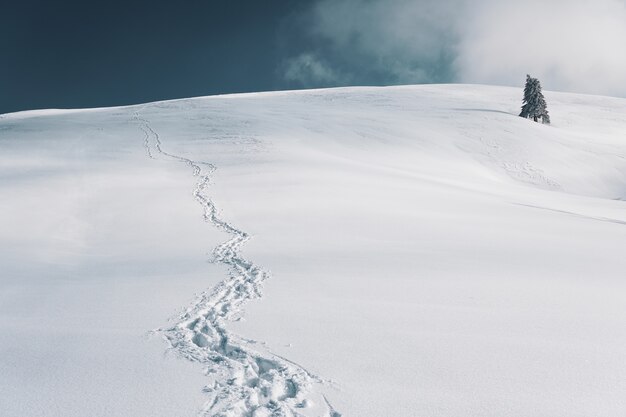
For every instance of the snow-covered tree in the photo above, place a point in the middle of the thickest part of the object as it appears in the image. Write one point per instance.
(534, 103)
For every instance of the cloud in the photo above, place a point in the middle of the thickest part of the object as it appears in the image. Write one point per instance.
(574, 45)
(308, 70)
(374, 41)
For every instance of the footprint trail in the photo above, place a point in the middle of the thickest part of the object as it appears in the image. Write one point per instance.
(243, 381)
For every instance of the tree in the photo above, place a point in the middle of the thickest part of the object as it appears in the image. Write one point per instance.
(534, 105)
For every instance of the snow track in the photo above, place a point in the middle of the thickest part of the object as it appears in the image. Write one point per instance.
(243, 380)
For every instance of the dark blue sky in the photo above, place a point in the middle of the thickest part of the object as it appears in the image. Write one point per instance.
(100, 53)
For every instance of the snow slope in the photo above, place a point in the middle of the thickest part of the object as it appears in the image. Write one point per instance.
(400, 251)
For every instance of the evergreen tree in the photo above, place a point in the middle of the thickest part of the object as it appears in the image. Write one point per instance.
(534, 105)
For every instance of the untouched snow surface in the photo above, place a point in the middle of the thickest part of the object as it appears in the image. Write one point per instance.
(399, 251)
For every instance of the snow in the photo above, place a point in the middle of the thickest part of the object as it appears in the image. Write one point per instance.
(401, 251)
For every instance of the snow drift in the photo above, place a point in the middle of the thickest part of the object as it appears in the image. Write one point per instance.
(405, 251)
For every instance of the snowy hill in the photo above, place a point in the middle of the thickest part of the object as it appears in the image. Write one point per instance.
(399, 251)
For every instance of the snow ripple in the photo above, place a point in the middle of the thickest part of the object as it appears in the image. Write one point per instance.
(243, 381)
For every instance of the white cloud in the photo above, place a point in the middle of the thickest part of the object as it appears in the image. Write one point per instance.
(575, 45)
(308, 70)
(384, 42)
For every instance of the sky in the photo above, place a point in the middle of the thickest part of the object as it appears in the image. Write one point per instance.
(69, 54)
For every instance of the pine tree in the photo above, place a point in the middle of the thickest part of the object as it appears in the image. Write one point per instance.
(534, 103)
